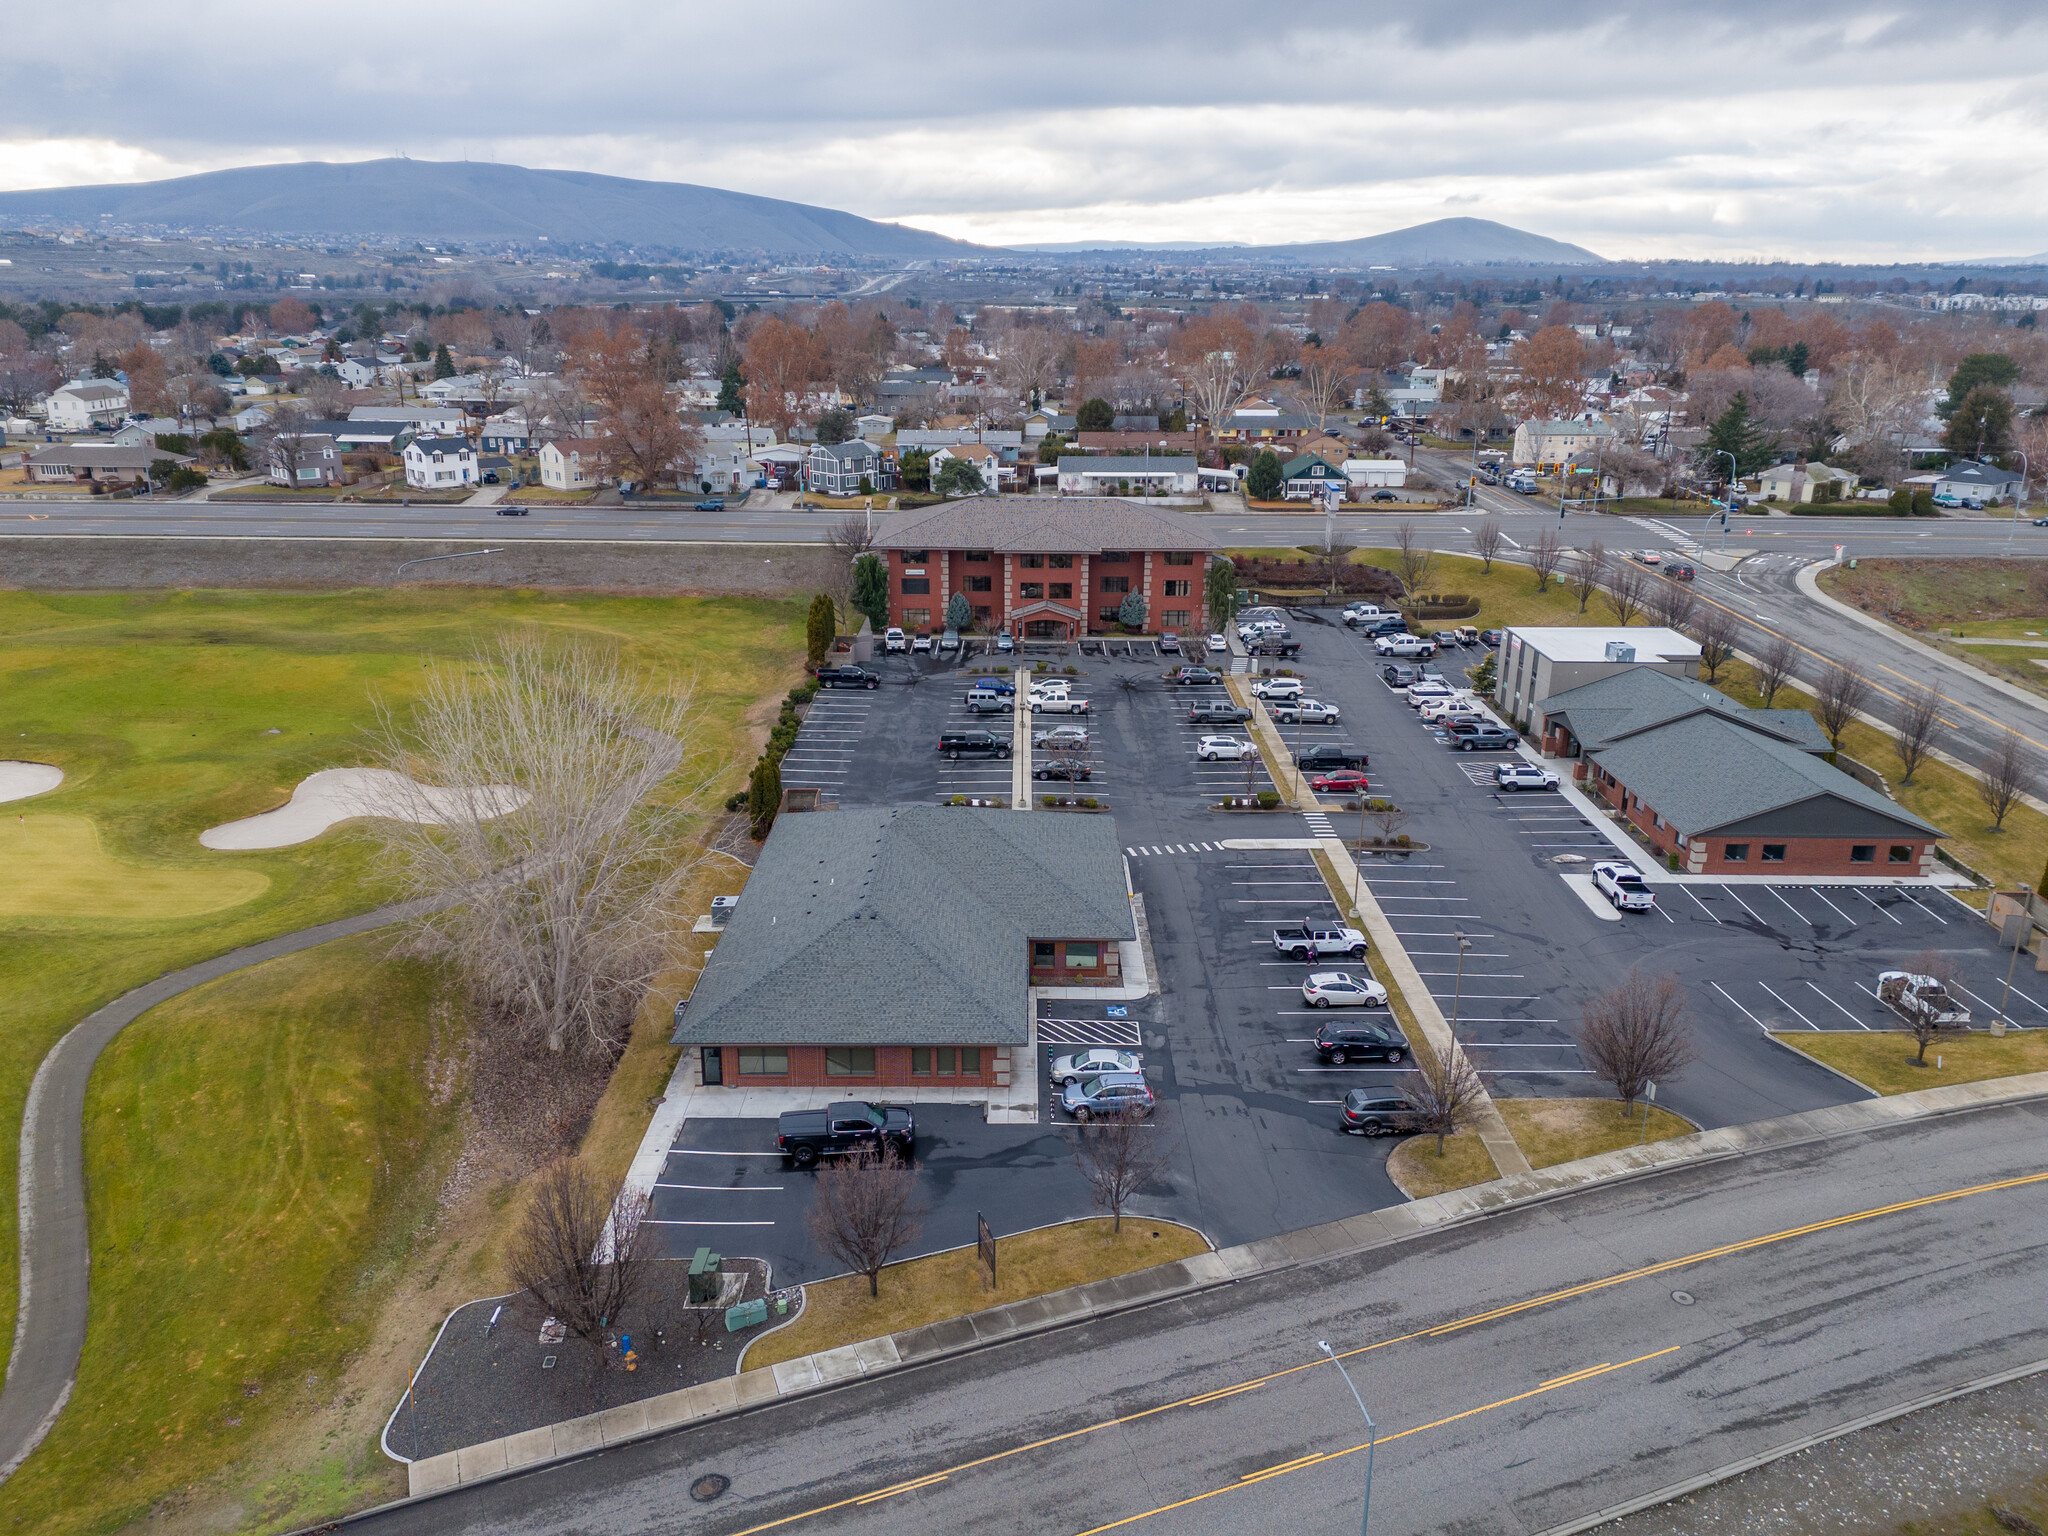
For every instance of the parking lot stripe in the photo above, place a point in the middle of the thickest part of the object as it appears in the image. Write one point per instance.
(1880, 907)
(1759, 1023)
(1845, 1012)
(1928, 910)
(1795, 1012)
(730, 1189)
(1993, 1007)
(1471, 1018)
(1701, 904)
(656, 1222)
(1752, 911)
(1844, 916)
(705, 1152)
(1476, 975)
(1470, 954)
(1790, 908)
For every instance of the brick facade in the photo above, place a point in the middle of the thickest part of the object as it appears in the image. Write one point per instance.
(893, 1066)
(1058, 596)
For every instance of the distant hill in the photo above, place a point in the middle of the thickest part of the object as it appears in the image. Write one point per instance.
(457, 201)
(1440, 243)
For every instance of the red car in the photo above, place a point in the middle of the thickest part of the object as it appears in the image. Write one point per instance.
(1345, 781)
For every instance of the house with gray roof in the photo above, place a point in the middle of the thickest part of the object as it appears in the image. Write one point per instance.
(1970, 480)
(897, 949)
(1119, 473)
(1723, 789)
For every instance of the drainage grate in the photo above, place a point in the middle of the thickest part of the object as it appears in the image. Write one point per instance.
(709, 1487)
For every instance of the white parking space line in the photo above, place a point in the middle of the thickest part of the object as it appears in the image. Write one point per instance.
(1790, 908)
(1700, 904)
(1477, 975)
(1759, 1023)
(2016, 992)
(655, 1222)
(1832, 907)
(1501, 997)
(1796, 1013)
(1521, 1045)
(1752, 911)
(1473, 1018)
(1470, 954)
(724, 1189)
(1881, 907)
(1928, 910)
(1840, 1008)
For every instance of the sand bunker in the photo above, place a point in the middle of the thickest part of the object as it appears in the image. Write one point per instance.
(20, 780)
(337, 794)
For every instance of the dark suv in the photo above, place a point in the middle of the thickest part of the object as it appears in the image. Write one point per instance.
(848, 677)
(974, 744)
(1217, 712)
(1366, 1113)
(1197, 676)
(1339, 1043)
(1401, 674)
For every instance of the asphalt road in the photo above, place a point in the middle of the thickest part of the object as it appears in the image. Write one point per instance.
(1522, 1370)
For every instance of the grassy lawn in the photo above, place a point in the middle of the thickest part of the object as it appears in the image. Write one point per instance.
(1884, 1061)
(277, 493)
(161, 709)
(1549, 1131)
(1507, 594)
(547, 496)
(1418, 1171)
(1943, 795)
(927, 1290)
(262, 1153)
(1972, 595)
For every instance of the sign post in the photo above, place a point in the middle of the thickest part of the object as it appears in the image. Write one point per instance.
(985, 1247)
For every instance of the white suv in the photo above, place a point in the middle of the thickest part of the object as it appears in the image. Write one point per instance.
(892, 639)
(1051, 688)
(1277, 688)
(1212, 749)
(1424, 693)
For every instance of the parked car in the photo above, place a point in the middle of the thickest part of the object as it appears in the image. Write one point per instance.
(1344, 781)
(1216, 712)
(805, 1135)
(1068, 1070)
(988, 701)
(1341, 989)
(1384, 496)
(949, 643)
(1072, 769)
(1623, 885)
(1446, 638)
(1273, 645)
(1050, 687)
(1273, 689)
(1326, 755)
(1305, 712)
(1169, 640)
(1401, 674)
(1385, 624)
(1197, 677)
(1304, 941)
(1219, 643)
(1058, 704)
(1491, 638)
(1358, 613)
(1520, 776)
(1403, 645)
(848, 677)
(1419, 694)
(1437, 710)
(893, 639)
(1224, 749)
(1109, 1093)
(1062, 738)
(921, 644)
(1367, 1113)
(1361, 1041)
(957, 744)
(1004, 644)
(1485, 738)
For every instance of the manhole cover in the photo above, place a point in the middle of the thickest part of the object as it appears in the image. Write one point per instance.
(1683, 1298)
(709, 1487)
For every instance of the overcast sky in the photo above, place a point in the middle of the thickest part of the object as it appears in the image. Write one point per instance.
(1817, 129)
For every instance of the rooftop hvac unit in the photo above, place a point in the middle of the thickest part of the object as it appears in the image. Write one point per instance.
(722, 908)
(1620, 650)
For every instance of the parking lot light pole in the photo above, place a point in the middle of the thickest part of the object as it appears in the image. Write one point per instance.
(2019, 502)
(1371, 1431)
(1458, 987)
(1728, 509)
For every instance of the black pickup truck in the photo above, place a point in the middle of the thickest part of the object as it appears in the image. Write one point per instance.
(1326, 755)
(805, 1135)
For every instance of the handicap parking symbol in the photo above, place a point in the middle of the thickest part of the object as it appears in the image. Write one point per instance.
(1119, 1013)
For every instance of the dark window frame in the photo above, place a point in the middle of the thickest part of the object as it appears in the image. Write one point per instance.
(846, 1061)
(1770, 857)
(1735, 853)
(1863, 853)
(1899, 853)
(754, 1061)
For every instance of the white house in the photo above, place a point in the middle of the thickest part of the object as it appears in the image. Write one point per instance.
(1122, 474)
(1548, 443)
(87, 403)
(428, 418)
(249, 418)
(1375, 474)
(873, 427)
(726, 462)
(570, 464)
(355, 373)
(1968, 480)
(438, 463)
(313, 458)
(987, 461)
(1798, 482)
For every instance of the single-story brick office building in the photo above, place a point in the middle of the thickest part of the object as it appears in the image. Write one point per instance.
(896, 949)
(1728, 789)
(1042, 569)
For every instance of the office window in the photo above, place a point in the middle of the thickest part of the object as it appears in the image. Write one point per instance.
(764, 1061)
(1736, 853)
(970, 1060)
(1175, 618)
(1031, 562)
(1107, 615)
(1774, 853)
(1180, 589)
(1863, 853)
(917, 586)
(1113, 584)
(977, 557)
(1115, 557)
(916, 618)
(1901, 853)
(920, 1061)
(1042, 952)
(850, 1061)
(1031, 589)
(1082, 956)
(914, 556)
(981, 583)
(1061, 589)
(1060, 562)
(1180, 559)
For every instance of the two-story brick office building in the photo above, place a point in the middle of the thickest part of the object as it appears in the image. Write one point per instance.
(1042, 569)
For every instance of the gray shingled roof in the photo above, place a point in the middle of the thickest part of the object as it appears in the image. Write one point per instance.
(909, 926)
(1043, 524)
(1708, 771)
(1603, 712)
(1126, 463)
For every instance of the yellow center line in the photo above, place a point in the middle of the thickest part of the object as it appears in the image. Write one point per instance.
(890, 1493)
(1323, 1458)
(1568, 1293)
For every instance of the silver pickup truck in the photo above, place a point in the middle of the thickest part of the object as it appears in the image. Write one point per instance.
(1319, 943)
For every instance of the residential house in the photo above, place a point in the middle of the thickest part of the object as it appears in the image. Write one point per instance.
(1124, 474)
(1310, 478)
(1724, 789)
(427, 418)
(96, 463)
(439, 463)
(571, 463)
(852, 468)
(1800, 481)
(1553, 444)
(1538, 662)
(1261, 421)
(933, 925)
(728, 460)
(987, 462)
(874, 427)
(301, 459)
(85, 404)
(1040, 423)
(249, 418)
(1376, 474)
(1136, 442)
(1043, 568)
(1970, 480)
(356, 373)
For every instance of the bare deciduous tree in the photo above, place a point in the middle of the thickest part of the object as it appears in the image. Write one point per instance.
(1919, 714)
(865, 1209)
(1445, 1094)
(1840, 695)
(1716, 630)
(1921, 1024)
(2006, 775)
(1773, 666)
(1628, 591)
(1324, 385)
(848, 539)
(1486, 542)
(1119, 1155)
(1545, 555)
(519, 807)
(1414, 562)
(1636, 1033)
(1589, 567)
(576, 1253)
(1670, 603)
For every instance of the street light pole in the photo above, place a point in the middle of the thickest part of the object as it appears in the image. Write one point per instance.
(1728, 510)
(1371, 1431)
(2019, 501)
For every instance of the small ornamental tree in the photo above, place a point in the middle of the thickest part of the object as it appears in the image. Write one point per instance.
(1095, 415)
(1131, 611)
(444, 365)
(834, 425)
(871, 590)
(959, 612)
(1219, 592)
(818, 628)
(1262, 480)
(958, 477)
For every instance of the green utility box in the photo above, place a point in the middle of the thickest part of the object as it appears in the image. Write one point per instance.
(745, 1315)
(704, 1281)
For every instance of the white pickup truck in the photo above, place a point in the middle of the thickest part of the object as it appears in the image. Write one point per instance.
(1058, 704)
(1305, 943)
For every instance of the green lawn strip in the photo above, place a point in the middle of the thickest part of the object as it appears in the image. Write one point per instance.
(1937, 594)
(1507, 594)
(1549, 1132)
(1883, 1059)
(158, 706)
(262, 1152)
(1939, 793)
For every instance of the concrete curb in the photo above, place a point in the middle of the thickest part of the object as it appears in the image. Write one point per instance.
(1354, 1235)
